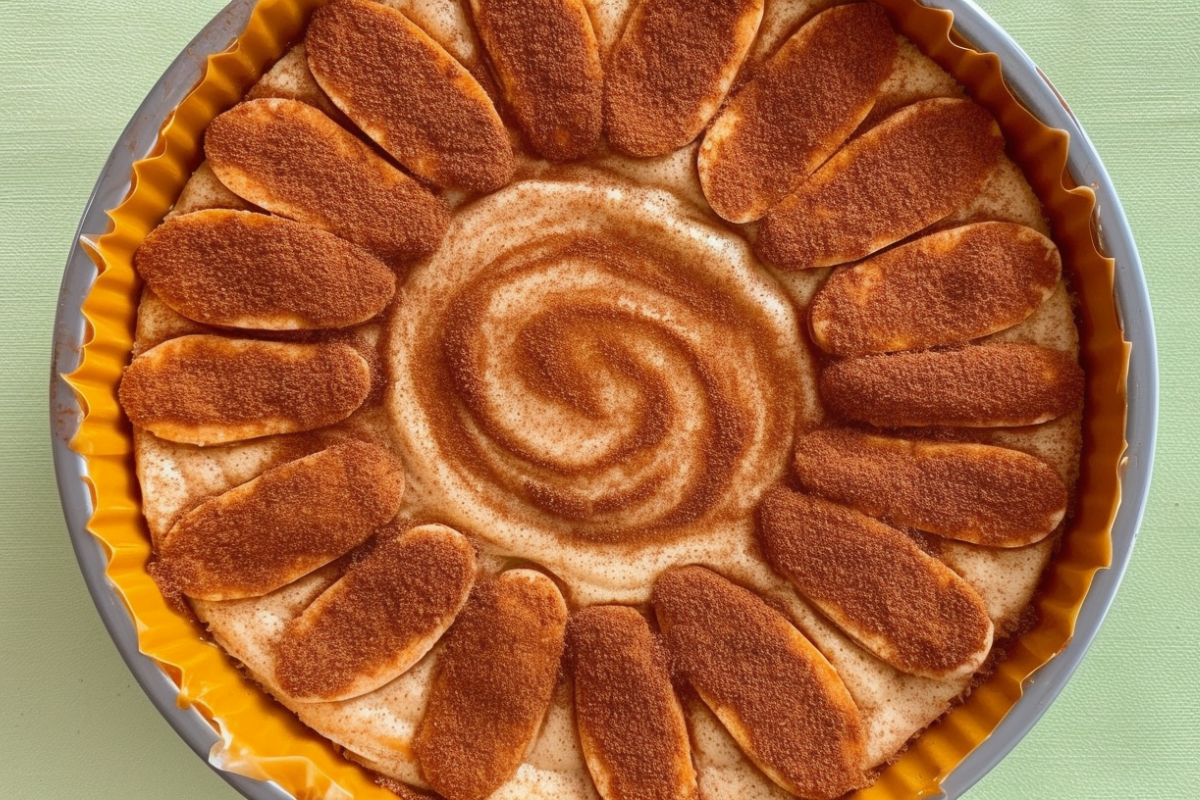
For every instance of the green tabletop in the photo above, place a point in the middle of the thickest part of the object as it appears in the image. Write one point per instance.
(73, 724)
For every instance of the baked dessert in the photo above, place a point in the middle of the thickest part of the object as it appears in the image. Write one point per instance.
(618, 398)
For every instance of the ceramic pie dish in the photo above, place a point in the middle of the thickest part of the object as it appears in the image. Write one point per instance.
(1103, 361)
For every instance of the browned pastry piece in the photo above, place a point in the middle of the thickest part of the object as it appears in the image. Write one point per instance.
(206, 390)
(379, 618)
(877, 585)
(672, 68)
(495, 677)
(289, 158)
(911, 170)
(548, 63)
(975, 493)
(240, 270)
(798, 109)
(282, 525)
(944, 288)
(432, 116)
(773, 691)
(631, 726)
(979, 386)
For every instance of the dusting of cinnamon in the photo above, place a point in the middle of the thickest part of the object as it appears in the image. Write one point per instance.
(670, 71)
(547, 59)
(914, 168)
(431, 115)
(283, 524)
(976, 386)
(876, 584)
(204, 389)
(941, 289)
(634, 736)
(292, 160)
(379, 618)
(977, 493)
(799, 108)
(789, 710)
(495, 678)
(237, 269)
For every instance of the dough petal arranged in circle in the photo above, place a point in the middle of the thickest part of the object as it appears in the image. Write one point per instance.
(875, 584)
(380, 618)
(208, 390)
(494, 680)
(432, 116)
(289, 158)
(548, 63)
(282, 525)
(798, 109)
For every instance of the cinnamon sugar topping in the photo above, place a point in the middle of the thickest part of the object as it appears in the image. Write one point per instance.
(977, 386)
(379, 619)
(432, 116)
(631, 725)
(945, 288)
(799, 108)
(495, 678)
(292, 160)
(671, 69)
(775, 694)
(548, 62)
(976, 493)
(208, 390)
(877, 585)
(914, 168)
(241, 270)
(282, 525)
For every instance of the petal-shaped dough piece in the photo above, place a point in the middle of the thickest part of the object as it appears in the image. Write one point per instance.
(979, 386)
(379, 618)
(548, 62)
(944, 288)
(207, 390)
(494, 682)
(672, 68)
(772, 690)
(799, 108)
(975, 493)
(289, 158)
(409, 95)
(631, 725)
(875, 584)
(282, 525)
(914, 168)
(240, 270)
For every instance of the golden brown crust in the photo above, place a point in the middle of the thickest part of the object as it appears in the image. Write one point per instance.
(942, 289)
(671, 69)
(989, 385)
(241, 270)
(432, 116)
(548, 62)
(976, 493)
(914, 168)
(282, 525)
(379, 619)
(205, 390)
(630, 722)
(775, 694)
(877, 585)
(796, 111)
(289, 158)
(495, 678)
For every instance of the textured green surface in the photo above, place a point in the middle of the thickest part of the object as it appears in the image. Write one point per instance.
(73, 724)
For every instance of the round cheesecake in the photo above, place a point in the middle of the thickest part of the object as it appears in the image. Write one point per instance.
(607, 398)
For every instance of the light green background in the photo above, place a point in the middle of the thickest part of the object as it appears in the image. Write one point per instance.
(73, 724)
